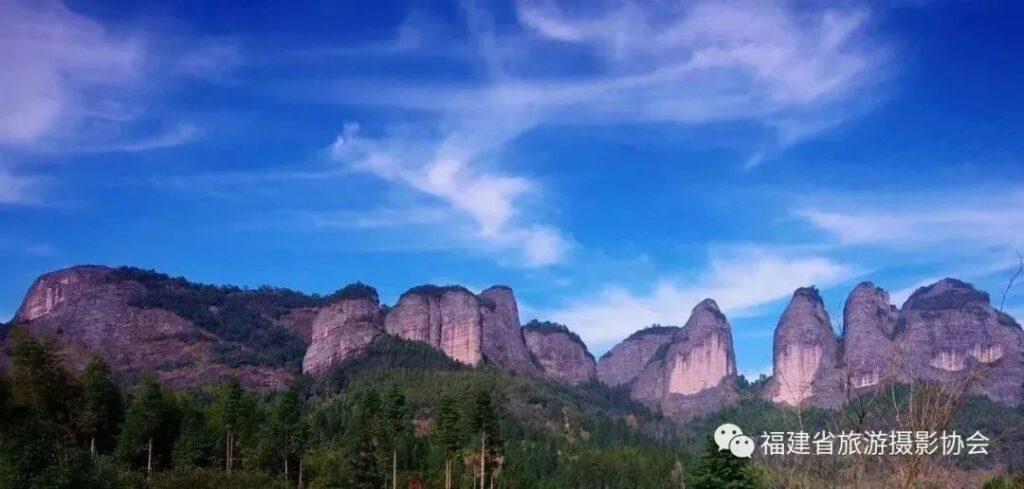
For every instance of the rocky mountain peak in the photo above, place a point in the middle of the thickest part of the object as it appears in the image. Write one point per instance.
(467, 327)
(804, 353)
(626, 360)
(143, 321)
(948, 293)
(948, 331)
(53, 289)
(502, 338)
(344, 328)
(695, 372)
(869, 323)
(561, 354)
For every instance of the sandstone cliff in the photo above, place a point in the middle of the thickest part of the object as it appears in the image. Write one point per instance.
(467, 328)
(695, 373)
(503, 342)
(805, 355)
(948, 331)
(344, 328)
(626, 360)
(562, 355)
(869, 323)
(135, 320)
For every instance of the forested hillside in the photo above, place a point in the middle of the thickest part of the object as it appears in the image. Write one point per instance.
(404, 414)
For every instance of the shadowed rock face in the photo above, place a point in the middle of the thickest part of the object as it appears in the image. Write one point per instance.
(86, 310)
(869, 323)
(503, 341)
(948, 331)
(562, 355)
(626, 360)
(695, 373)
(341, 330)
(805, 349)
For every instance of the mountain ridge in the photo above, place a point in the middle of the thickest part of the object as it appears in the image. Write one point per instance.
(189, 333)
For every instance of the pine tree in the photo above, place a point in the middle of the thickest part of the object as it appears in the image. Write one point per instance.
(194, 446)
(102, 407)
(233, 417)
(5, 401)
(40, 383)
(36, 435)
(396, 425)
(288, 430)
(484, 422)
(448, 434)
(147, 427)
(364, 442)
(720, 469)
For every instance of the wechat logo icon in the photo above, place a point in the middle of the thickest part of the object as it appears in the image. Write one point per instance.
(730, 437)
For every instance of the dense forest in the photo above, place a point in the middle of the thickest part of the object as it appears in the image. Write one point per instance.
(403, 416)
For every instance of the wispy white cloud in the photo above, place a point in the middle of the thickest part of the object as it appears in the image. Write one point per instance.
(709, 62)
(452, 171)
(74, 84)
(962, 221)
(740, 284)
(19, 189)
(795, 71)
(175, 136)
(61, 67)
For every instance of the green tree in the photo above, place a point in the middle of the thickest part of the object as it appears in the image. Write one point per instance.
(194, 446)
(364, 443)
(484, 423)
(233, 416)
(288, 430)
(720, 469)
(448, 434)
(396, 426)
(36, 436)
(5, 400)
(102, 407)
(148, 431)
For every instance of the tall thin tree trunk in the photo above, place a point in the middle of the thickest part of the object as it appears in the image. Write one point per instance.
(394, 467)
(92, 446)
(447, 473)
(483, 459)
(286, 466)
(300, 471)
(149, 459)
(229, 451)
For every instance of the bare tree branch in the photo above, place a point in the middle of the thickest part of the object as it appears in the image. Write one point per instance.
(1013, 278)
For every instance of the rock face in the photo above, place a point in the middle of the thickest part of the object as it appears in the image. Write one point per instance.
(695, 373)
(447, 318)
(562, 355)
(948, 331)
(465, 327)
(52, 290)
(805, 356)
(89, 311)
(626, 360)
(869, 326)
(503, 340)
(341, 330)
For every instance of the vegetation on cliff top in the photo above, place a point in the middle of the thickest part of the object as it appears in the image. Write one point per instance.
(240, 318)
(550, 327)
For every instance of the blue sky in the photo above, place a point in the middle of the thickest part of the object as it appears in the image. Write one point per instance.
(614, 162)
